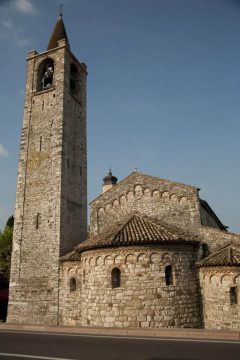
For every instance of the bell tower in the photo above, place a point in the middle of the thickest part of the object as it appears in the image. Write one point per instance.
(51, 198)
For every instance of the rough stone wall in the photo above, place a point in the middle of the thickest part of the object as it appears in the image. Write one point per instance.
(215, 288)
(169, 201)
(39, 235)
(70, 304)
(74, 159)
(215, 238)
(143, 299)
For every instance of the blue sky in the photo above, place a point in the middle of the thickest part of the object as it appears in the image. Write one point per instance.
(163, 90)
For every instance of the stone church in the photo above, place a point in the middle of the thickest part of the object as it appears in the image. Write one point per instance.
(156, 254)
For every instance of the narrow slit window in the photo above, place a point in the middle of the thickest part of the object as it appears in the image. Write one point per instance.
(116, 278)
(169, 275)
(233, 295)
(37, 221)
(73, 284)
(40, 143)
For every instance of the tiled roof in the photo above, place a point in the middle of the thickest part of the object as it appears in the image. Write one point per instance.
(72, 256)
(138, 230)
(59, 33)
(228, 255)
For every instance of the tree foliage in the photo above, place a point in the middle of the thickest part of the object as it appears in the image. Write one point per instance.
(6, 249)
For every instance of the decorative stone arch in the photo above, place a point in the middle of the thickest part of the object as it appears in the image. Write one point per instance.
(108, 207)
(99, 261)
(156, 194)
(115, 203)
(154, 257)
(101, 211)
(236, 279)
(118, 259)
(142, 257)
(174, 198)
(166, 257)
(71, 271)
(175, 258)
(147, 193)
(138, 190)
(214, 278)
(225, 278)
(45, 74)
(165, 196)
(108, 260)
(130, 196)
(130, 259)
(183, 200)
(122, 200)
(92, 261)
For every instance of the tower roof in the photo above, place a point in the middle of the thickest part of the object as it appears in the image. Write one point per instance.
(59, 33)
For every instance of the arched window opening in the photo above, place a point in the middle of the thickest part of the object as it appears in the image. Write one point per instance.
(73, 284)
(116, 278)
(169, 275)
(74, 80)
(45, 75)
(233, 295)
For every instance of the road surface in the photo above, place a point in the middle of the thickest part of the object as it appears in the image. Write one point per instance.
(25, 345)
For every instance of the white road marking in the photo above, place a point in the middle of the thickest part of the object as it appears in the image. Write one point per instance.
(122, 337)
(33, 357)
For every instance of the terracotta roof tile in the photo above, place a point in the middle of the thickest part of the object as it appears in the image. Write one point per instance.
(228, 255)
(72, 256)
(139, 230)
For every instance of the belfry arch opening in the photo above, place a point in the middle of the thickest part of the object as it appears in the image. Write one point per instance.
(45, 75)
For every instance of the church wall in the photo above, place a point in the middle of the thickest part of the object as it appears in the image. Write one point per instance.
(70, 300)
(143, 299)
(214, 238)
(218, 311)
(162, 199)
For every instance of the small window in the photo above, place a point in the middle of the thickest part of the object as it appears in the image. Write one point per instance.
(73, 284)
(116, 278)
(37, 221)
(233, 295)
(169, 275)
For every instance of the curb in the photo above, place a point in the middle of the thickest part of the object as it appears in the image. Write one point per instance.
(163, 332)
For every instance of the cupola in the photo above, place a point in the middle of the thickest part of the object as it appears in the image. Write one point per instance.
(109, 181)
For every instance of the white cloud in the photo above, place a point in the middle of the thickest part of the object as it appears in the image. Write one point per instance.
(10, 32)
(3, 151)
(25, 6)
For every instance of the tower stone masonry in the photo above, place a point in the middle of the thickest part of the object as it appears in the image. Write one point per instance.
(51, 198)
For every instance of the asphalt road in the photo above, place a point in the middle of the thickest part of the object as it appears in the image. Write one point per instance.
(22, 345)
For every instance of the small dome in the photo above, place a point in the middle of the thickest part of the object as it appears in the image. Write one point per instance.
(110, 179)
